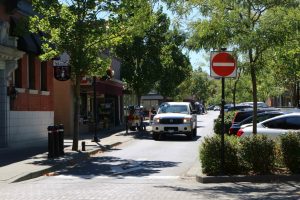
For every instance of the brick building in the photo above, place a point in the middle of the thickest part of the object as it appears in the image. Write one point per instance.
(26, 83)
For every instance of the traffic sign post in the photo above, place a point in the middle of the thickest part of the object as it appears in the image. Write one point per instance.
(222, 65)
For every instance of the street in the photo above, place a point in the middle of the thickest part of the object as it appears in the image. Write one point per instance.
(144, 169)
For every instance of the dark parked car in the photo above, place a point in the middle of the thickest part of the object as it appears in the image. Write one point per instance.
(238, 107)
(260, 117)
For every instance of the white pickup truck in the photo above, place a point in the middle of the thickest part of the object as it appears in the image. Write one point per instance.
(174, 118)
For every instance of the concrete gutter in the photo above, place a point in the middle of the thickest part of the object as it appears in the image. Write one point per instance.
(246, 178)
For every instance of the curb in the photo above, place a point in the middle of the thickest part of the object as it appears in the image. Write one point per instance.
(68, 162)
(246, 178)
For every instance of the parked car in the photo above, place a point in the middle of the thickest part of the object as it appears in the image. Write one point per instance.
(174, 118)
(275, 126)
(211, 107)
(260, 104)
(243, 114)
(260, 117)
(216, 108)
(228, 105)
(239, 107)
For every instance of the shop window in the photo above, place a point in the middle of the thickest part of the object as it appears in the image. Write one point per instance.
(18, 75)
(44, 76)
(31, 71)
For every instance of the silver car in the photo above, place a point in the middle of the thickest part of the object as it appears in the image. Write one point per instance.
(275, 126)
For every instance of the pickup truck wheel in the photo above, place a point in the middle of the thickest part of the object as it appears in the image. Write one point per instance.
(155, 136)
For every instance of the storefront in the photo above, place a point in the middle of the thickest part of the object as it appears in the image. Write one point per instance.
(108, 95)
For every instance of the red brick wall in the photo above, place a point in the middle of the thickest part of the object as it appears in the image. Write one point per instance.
(34, 102)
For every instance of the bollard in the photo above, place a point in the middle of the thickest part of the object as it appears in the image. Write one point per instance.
(83, 145)
(50, 142)
(61, 139)
(56, 141)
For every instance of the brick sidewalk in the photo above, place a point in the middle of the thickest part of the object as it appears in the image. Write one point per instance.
(33, 165)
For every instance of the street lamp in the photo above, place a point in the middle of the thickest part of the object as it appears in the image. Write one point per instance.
(96, 139)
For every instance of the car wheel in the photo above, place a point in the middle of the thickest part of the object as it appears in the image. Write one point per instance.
(156, 136)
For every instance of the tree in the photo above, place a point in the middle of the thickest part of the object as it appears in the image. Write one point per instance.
(248, 27)
(176, 66)
(141, 58)
(83, 29)
(200, 85)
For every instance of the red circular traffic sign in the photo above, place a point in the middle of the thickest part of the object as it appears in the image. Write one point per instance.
(223, 64)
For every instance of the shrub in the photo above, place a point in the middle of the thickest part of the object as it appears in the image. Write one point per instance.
(258, 153)
(227, 123)
(210, 154)
(290, 148)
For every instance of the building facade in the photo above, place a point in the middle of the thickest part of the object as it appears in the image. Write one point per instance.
(109, 102)
(26, 86)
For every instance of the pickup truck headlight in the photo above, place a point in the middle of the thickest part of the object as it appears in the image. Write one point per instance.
(156, 121)
(187, 120)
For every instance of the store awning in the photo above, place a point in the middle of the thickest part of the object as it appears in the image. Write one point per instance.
(106, 87)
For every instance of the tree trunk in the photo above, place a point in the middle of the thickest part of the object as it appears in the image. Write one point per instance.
(76, 113)
(254, 94)
(138, 96)
(254, 89)
(295, 95)
(234, 90)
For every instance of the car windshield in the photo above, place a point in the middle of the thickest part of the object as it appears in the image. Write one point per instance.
(173, 109)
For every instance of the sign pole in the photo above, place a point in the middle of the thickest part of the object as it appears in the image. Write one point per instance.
(222, 65)
(223, 128)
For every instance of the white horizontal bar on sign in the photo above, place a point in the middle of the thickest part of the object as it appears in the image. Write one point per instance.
(223, 64)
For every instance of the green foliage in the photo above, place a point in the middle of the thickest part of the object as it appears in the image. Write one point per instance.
(140, 58)
(210, 154)
(227, 123)
(258, 153)
(290, 147)
(84, 29)
(176, 66)
(248, 28)
(155, 59)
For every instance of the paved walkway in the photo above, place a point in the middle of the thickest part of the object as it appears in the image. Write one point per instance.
(22, 164)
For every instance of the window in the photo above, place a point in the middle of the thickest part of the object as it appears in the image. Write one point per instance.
(277, 124)
(18, 75)
(31, 71)
(44, 76)
(293, 122)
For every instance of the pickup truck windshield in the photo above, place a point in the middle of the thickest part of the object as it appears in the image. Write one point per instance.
(173, 109)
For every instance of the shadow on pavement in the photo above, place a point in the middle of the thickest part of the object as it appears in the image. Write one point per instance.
(116, 167)
(10, 156)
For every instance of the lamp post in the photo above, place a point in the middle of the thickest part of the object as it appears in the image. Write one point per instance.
(96, 139)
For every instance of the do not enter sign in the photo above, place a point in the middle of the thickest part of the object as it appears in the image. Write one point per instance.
(222, 64)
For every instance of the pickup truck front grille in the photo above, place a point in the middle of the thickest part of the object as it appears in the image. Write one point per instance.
(171, 121)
